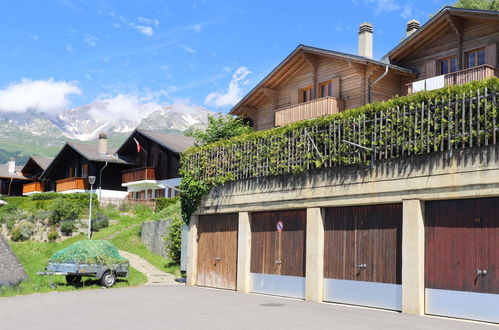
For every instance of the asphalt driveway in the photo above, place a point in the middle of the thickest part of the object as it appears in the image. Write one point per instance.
(180, 307)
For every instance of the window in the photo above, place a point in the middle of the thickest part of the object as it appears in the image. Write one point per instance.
(447, 65)
(306, 94)
(475, 57)
(326, 89)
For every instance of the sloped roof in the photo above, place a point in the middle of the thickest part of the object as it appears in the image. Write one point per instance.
(290, 61)
(174, 142)
(4, 172)
(438, 21)
(42, 161)
(90, 152)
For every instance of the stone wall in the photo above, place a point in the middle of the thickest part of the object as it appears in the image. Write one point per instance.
(153, 235)
(11, 270)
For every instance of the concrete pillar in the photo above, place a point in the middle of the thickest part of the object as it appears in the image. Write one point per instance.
(192, 251)
(413, 257)
(243, 252)
(314, 269)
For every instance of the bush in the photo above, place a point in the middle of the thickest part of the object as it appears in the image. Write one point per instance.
(67, 227)
(99, 222)
(161, 203)
(143, 211)
(173, 239)
(22, 232)
(63, 209)
(53, 235)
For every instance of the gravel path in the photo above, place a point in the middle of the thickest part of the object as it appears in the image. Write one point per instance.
(154, 275)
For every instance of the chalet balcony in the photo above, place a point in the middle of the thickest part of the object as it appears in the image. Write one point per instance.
(461, 77)
(138, 174)
(71, 184)
(308, 110)
(32, 187)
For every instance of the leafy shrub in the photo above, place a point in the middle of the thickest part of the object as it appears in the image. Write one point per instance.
(173, 239)
(10, 223)
(22, 232)
(63, 209)
(161, 203)
(143, 211)
(99, 222)
(45, 196)
(168, 212)
(53, 235)
(67, 227)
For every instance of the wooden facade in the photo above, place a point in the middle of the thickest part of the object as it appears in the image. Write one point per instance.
(71, 184)
(217, 251)
(139, 174)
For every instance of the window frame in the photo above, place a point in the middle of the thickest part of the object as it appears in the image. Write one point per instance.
(309, 89)
(328, 90)
(448, 60)
(475, 51)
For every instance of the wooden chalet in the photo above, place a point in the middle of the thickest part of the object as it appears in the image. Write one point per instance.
(156, 158)
(12, 179)
(454, 47)
(75, 162)
(33, 169)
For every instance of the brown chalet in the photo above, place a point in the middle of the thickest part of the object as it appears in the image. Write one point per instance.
(456, 46)
(33, 169)
(156, 156)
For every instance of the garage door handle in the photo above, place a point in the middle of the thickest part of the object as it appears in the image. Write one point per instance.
(362, 266)
(218, 258)
(278, 262)
(482, 272)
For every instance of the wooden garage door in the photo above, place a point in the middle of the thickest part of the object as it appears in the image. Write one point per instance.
(462, 236)
(217, 251)
(364, 243)
(278, 253)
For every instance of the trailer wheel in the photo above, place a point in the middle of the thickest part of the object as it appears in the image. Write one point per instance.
(73, 279)
(108, 279)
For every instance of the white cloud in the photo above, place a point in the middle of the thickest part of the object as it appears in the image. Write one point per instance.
(188, 49)
(383, 6)
(197, 27)
(116, 25)
(234, 92)
(147, 30)
(164, 67)
(123, 107)
(47, 96)
(407, 11)
(69, 48)
(148, 21)
(90, 40)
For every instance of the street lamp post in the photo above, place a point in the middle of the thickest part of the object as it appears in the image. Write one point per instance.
(91, 181)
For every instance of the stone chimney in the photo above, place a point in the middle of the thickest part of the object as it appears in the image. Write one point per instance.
(11, 165)
(412, 26)
(102, 147)
(366, 40)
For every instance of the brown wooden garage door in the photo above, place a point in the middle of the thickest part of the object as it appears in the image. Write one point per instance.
(462, 236)
(278, 253)
(364, 243)
(217, 251)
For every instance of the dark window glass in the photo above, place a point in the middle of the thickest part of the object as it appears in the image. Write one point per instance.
(481, 57)
(330, 89)
(471, 60)
(444, 67)
(453, 64)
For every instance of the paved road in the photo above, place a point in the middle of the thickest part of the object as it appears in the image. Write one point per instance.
(180, 307)
(154, 275)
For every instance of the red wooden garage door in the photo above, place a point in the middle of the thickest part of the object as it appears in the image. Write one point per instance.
(217, 251)
(462, 258)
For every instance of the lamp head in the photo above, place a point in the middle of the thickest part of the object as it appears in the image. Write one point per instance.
(91, 179)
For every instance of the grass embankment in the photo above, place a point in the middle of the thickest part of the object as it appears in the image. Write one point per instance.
(34, 256)
(125, 235)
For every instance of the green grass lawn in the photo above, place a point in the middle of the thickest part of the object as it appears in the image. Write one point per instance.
(34, 256)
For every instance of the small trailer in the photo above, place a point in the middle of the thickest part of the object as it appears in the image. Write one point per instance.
(74, 271)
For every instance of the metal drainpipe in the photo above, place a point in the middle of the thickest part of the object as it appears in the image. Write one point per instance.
(100, 181)
(374, 83)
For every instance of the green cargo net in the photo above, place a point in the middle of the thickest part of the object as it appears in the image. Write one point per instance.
(91, 252)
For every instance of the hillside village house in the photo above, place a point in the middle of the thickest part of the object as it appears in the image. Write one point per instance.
(75, 162)
(33, 169)
(455, 47)
(416, 233)
(12, 179)
(156, 158)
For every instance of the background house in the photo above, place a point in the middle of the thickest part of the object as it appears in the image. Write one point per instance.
(12, 179)
(33, 169)
(156, 158)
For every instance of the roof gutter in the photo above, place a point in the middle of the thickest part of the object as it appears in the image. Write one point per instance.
(369, 87)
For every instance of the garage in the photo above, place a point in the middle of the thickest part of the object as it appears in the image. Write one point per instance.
(278, 253)
(217, 251)
(363, 255)
(462, 258)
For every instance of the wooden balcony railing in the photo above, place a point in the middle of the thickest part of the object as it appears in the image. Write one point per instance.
(71, 184)
(32, 187)
(461, 77)
(312, 109)
(138, 174)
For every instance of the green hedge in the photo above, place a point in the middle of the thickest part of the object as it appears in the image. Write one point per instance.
(162, 202)
(262, 152)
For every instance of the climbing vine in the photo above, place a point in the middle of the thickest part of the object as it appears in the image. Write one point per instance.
(445, 119)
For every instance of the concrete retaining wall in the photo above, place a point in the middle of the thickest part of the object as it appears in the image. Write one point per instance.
(153, 235)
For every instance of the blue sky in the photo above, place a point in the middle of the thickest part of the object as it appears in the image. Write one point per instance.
(66, 53)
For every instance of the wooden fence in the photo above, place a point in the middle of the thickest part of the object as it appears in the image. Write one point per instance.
(463, 121)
